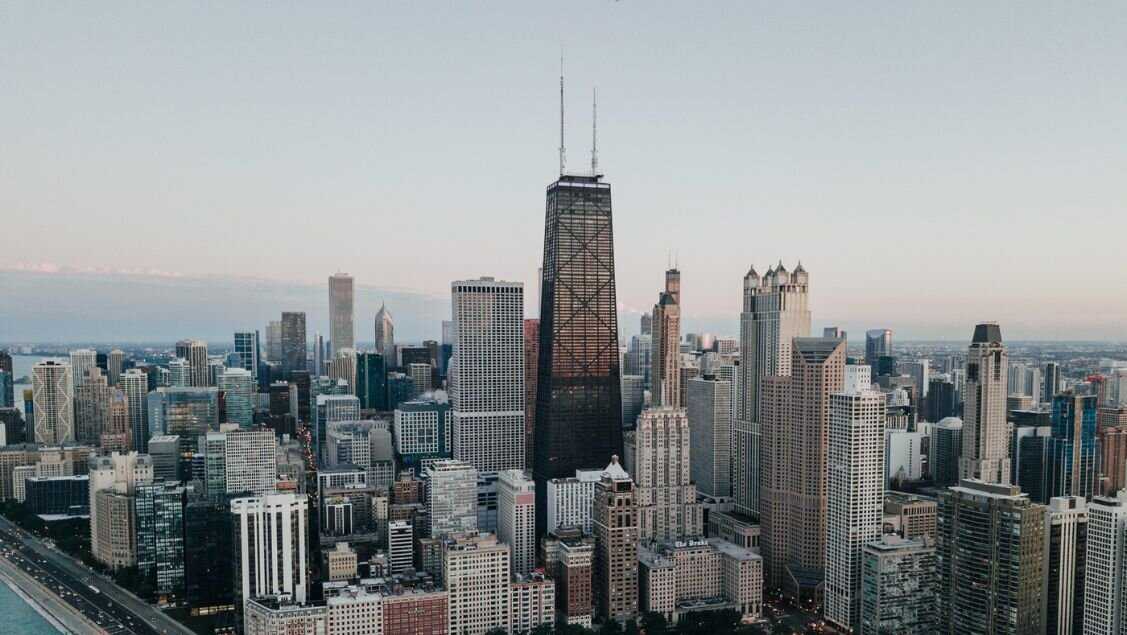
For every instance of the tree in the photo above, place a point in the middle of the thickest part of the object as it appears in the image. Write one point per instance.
(610, 627)
(654, 623)
(631, 627)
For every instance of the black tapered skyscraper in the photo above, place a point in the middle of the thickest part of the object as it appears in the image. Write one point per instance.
(578, 400)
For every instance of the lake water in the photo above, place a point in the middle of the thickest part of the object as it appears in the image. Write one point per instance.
(21, 367)
(19, 616)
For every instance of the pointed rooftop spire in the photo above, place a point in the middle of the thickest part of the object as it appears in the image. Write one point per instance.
(595, 131)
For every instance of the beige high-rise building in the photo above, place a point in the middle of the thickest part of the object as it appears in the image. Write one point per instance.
(615, 573)
(985, 433)
(665, 377)
(658, 454)
(53, 397)
(92, 406)
(475, 571)
(774, 313)
(516, 518)
(113, 483)
(341, 332)
(795, 415)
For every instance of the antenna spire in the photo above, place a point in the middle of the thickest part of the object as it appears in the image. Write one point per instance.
(595, 131)
(563, 153)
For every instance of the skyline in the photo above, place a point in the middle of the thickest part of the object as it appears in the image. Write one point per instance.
(44, 314)
(924, 202)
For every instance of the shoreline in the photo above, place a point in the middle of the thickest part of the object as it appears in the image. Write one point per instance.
(30, 601)
(67, 620)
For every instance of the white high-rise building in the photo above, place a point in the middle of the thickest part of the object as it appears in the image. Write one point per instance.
(53, 398)
(516, 518)
(774, 313)
(135, 384)
(476, 575)
(239, 396)
(82, 360)
(570, 500)
(710, 434)
(855, 491)
(1104, 565)
(487, 373)
(658, 456)
(271, 546)
(241, 461)
(341, 331)
(985, 433)
(451, 497)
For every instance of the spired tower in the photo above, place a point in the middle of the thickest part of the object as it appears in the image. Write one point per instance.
(775, 311)
(578, 397)
(666, 355)
(578, 391)
(985, 444)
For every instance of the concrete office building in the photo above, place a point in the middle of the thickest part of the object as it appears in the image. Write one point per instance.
(113, 483)
(487, 374)
(476, 571)
(341, 330)
(571, 500)
(709, 406)
(516, 518)
(240, 461)
(451, 497)
(795, 421)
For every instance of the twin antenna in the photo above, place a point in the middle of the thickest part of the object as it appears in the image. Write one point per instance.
(594, 127)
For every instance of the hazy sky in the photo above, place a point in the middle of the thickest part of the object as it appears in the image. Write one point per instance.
(932, 164)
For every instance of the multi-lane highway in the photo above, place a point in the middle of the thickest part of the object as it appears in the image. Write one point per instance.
(99, 600)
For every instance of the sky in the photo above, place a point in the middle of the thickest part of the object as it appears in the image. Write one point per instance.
(932, 164)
